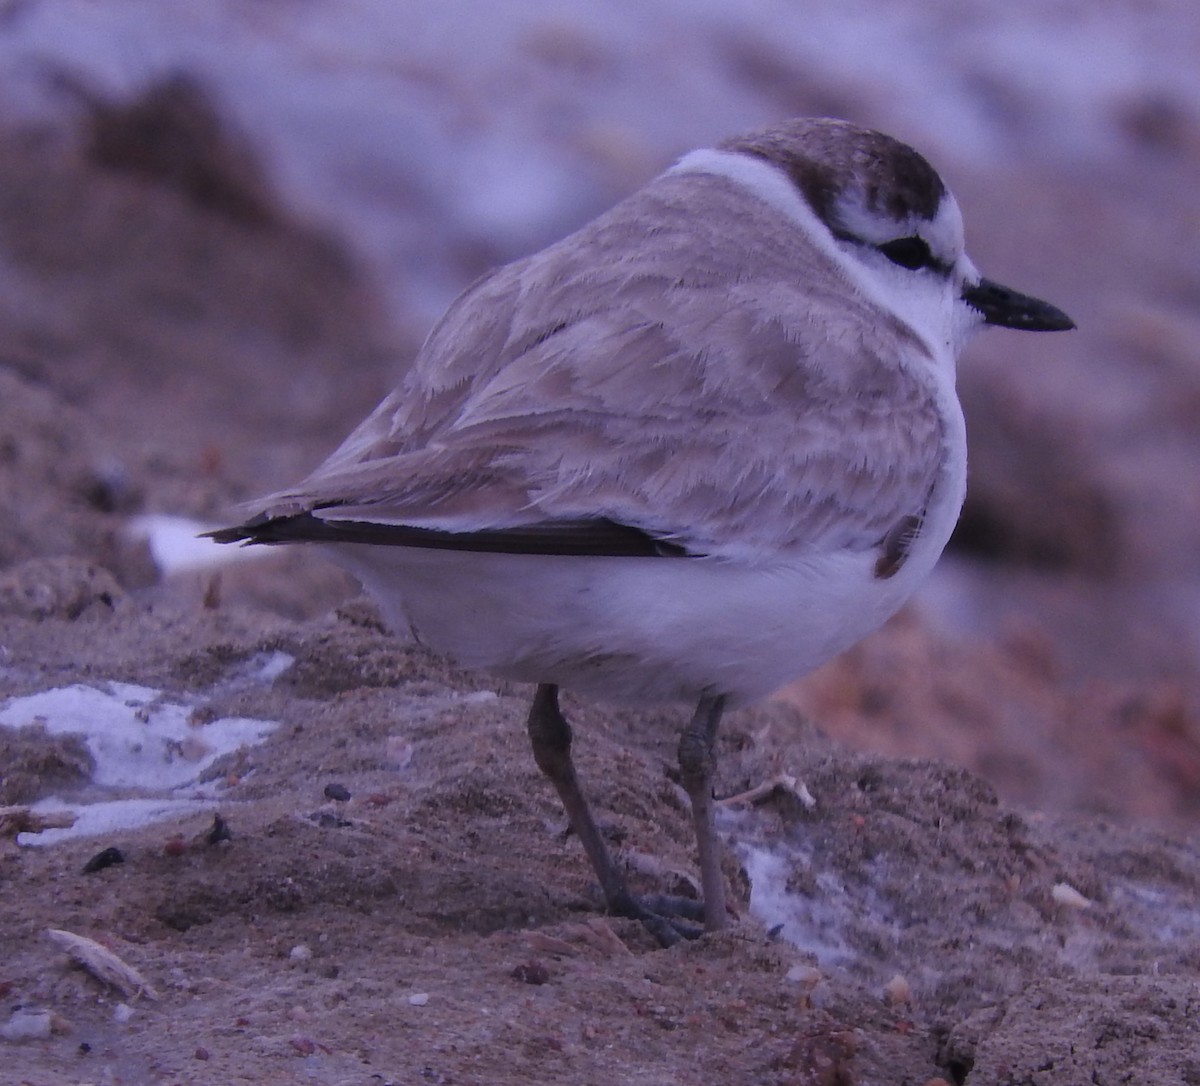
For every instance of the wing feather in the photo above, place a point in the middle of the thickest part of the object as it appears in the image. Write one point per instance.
(753, 402)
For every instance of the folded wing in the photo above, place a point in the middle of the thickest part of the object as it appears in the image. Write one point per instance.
(589, 400)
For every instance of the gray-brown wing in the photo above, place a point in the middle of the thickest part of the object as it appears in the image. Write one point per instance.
(719, 410)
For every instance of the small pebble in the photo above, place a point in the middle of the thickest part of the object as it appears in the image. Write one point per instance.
(105, 858)
(398, 752)
(337, 792)
(532, 972)
(122, 1012)
(418, 999)
(27, 1025)
(300, 953)
(218, 832)
(202, 715)
(808, 976)
(201, 1053)
(897, 990)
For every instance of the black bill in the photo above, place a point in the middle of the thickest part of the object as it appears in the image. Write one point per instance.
(1008, 309)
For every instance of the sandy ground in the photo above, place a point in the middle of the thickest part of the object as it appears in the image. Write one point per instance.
(439, 926)
(1023, 910)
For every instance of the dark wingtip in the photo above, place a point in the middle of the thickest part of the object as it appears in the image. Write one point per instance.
(258, 529)
(596, 537)
(228, 535)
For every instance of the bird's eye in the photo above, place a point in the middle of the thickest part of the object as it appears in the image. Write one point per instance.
(912, 253)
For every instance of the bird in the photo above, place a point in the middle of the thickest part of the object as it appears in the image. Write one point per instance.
(688, 453)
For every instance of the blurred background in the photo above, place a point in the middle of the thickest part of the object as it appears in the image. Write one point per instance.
(225, 229)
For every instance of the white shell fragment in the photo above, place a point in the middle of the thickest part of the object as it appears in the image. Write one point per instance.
(1063, 893)
(103, 964)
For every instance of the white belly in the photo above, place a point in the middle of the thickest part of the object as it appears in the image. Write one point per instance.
(645, 629)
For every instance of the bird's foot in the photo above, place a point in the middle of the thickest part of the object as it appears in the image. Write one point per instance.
(667, 917)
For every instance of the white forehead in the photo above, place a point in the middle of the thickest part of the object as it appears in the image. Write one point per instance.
(943, 233)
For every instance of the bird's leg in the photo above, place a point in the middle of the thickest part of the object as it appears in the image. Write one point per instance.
(696, 765)
(550, 736)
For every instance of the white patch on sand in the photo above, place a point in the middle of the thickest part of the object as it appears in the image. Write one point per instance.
(143, 742)
(813, 925)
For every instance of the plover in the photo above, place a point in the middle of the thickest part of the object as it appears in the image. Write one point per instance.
(689, 452)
